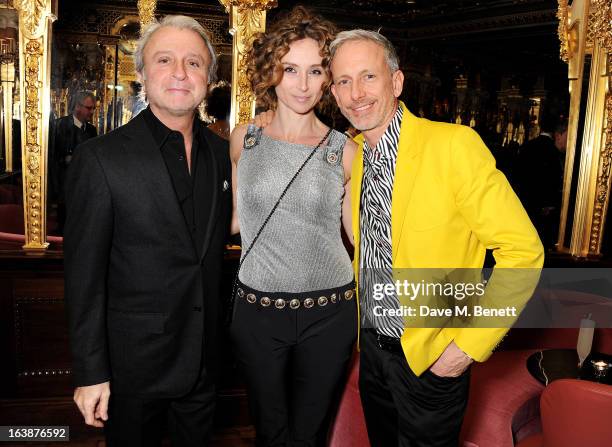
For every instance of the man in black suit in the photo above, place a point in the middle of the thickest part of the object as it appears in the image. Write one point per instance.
(149, 208)
(540, 177)
(67, 133)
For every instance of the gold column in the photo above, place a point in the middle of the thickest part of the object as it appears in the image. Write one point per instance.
(146, 11)
(35, 19)
(602, 133)
(247, 17)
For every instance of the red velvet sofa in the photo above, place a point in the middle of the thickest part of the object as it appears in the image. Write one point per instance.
(503, 405)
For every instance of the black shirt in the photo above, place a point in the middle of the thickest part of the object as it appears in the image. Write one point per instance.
(191, 188)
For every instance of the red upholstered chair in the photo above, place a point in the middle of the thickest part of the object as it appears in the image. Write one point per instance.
(575, 413)
(349, 427)
(11, 218)
(10, 194)
(503, 406)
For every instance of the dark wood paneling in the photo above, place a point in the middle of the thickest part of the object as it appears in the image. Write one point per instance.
(35, 373)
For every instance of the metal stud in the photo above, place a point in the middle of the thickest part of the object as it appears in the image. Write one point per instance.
(265, 301)
(308, 303)
(332, 158)
(333, 297)
(294, 303)
(251, 298)
(240, 293)
(279, 303)
(322, 301)
(249, 142)
(348, 295)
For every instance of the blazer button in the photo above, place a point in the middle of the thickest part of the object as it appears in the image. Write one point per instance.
(197, 308)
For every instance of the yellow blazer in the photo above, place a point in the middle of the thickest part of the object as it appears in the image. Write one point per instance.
(449, 205)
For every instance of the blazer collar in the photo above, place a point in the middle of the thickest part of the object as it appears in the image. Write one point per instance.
(409, 147)
(210, 148)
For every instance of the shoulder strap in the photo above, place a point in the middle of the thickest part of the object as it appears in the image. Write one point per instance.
(267, 219)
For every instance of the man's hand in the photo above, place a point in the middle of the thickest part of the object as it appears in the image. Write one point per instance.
(93, 403)
(264, 118)
(452, 363)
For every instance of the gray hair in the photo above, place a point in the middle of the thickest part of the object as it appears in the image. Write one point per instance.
(371, 36)
(80, 96)
(180, 22)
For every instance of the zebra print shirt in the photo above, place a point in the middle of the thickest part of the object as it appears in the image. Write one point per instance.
(375, 229)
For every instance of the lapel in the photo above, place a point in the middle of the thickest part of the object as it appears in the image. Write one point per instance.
(214, 184)
(405, 172)
(150, 165)
(406, 167)
(356, 178)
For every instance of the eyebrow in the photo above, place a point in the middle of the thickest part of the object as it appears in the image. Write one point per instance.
(169, 52)
(294, 64)
(344, 75)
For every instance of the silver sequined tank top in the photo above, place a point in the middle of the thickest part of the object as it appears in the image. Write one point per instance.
(301, 248)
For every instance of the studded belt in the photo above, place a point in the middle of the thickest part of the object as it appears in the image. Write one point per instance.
(295, 301)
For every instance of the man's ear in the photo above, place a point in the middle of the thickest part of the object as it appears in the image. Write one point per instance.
(397, 78)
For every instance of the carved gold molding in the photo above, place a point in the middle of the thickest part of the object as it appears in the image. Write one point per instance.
(35, 18)
(601, 14)
(146, 11)
(573, 29)
(603, 182)
(602, 22)
(562, 15)
(587, 30)
(247, 17)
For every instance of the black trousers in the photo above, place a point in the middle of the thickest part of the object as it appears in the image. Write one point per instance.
(140, 422)
(294, 361)
(402, 409)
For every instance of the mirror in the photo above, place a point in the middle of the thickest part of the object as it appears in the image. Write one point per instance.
(11, 190)
(93, 81)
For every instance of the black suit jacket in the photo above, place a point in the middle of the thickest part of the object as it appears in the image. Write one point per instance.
(141, 298)
(65, 137)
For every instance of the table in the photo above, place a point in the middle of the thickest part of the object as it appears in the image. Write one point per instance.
(552, 364)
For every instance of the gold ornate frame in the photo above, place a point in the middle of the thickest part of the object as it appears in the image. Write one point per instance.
(585, 30)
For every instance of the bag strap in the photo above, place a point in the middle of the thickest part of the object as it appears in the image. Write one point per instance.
(267, 219)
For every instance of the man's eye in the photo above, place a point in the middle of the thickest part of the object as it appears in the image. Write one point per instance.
(194, 64)
(370, 76)
(163, 60)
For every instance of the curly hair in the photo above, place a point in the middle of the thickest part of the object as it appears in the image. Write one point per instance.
(264, 68)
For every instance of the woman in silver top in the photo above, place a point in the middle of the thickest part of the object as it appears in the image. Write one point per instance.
(295, 313)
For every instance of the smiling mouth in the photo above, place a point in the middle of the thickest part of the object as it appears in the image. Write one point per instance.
(362, 108)
(302, 98)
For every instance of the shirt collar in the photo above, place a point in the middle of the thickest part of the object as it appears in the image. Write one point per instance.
(391, 135)
(77, 122)
(159, 130)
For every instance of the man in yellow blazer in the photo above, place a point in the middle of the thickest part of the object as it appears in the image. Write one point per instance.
(425, 195)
